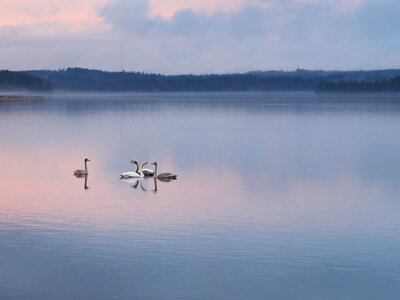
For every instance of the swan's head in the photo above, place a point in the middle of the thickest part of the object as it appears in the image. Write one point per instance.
(143, 164)
(154, 163)
(133, 161)
(86, 160)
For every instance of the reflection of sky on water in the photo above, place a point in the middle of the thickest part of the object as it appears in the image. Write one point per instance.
(319, 141)
(270, 201)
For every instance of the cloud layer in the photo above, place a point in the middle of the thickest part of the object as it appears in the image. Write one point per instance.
(134, 17)
(211, 37)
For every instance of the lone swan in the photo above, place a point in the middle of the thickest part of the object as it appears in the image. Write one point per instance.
(163, 176)
(82, 172)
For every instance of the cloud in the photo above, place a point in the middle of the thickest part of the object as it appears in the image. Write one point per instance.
(180, 36)
(262, 18)
(378, 19)
(135, 17)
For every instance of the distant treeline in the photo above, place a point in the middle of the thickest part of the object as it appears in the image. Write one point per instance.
(22, 81)
(349, 85)
(79, 79)
(93, 80)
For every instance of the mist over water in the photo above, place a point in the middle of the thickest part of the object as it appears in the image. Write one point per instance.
(279, 196)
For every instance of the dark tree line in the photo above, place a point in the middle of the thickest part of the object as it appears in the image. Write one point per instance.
(93, 80)
(79, 79)
(22, 81)
(345, 85)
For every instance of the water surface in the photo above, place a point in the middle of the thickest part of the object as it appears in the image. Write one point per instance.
(280, 196)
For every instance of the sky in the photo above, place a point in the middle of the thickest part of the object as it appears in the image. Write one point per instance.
(193, 36)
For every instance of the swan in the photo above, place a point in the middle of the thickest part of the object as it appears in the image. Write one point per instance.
(163, 176)
(82, 172)
(147, 172)
(138, 174)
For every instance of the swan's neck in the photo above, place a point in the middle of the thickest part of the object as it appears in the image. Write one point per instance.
(85, 165)
(137, 167)
(141, 170)
(155, 171)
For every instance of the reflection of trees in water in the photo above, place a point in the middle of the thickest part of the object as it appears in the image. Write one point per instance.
(85, 186)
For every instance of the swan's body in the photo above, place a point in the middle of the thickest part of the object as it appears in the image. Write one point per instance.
(148, 172)
(127, 175)
(136, 174)
(163, 176)
(82, 172)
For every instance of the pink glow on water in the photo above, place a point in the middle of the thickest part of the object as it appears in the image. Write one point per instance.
(39, 188)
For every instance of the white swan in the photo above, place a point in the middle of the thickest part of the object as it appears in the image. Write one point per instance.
(147, 172)
(138, 174)
(163, 176)
(82, 172)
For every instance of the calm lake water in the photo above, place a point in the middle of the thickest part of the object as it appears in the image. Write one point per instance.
(279, 196)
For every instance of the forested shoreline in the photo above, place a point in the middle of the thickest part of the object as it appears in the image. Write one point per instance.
(79, 79)
(377, 85)
(17, 81)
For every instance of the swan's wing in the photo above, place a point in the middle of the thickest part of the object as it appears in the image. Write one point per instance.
(148, 172)
(165, 179)
(168, 175)
(79, 171)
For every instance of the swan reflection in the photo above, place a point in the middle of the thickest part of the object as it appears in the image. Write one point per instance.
(144, 183)
(133, 182)
(155, 185)
(80, 176)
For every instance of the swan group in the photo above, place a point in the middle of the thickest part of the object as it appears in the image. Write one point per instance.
(139, 172)
(136, 174)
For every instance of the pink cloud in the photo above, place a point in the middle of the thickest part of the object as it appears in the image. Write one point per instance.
(76, 15)
(70, 15)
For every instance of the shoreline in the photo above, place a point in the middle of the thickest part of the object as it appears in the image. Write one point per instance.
(20, 97)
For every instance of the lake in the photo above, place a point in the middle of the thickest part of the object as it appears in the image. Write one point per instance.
(279, 196)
